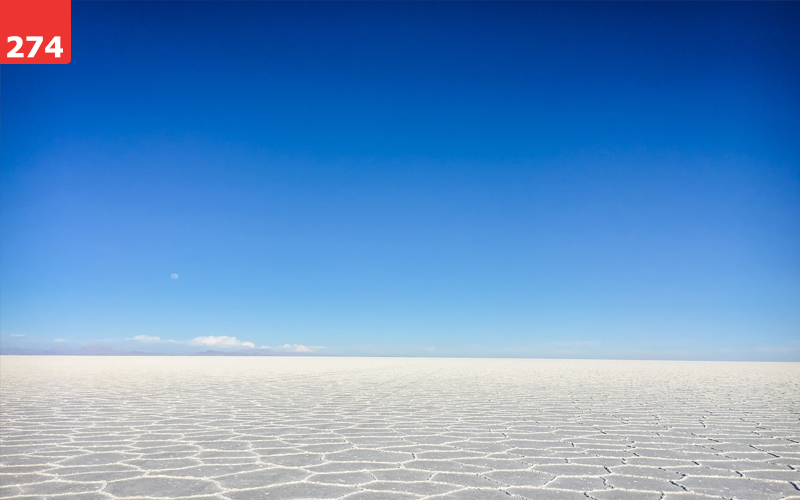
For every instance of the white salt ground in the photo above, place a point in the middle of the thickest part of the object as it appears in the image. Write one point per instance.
(396, 428)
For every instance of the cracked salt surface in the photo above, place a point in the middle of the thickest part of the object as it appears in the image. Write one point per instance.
(81, 428)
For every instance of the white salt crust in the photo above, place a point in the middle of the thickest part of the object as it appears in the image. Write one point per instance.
(76, 427)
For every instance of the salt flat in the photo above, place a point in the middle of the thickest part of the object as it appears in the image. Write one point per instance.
(397, 428)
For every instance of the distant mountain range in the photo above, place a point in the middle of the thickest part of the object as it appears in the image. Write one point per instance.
(101, 350)
(249, 352)
(89, 350)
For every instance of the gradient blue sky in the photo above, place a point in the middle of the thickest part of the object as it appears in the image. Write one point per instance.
(458, 179)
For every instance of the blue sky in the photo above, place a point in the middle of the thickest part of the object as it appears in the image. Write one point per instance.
(616, 180)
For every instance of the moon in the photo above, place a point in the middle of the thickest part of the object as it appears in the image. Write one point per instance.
(174, 276)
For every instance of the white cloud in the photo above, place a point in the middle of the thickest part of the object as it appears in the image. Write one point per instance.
(210, 341)
(59, 340)
(17, 335)
(145, 338)
(288, 348)
(221, 341)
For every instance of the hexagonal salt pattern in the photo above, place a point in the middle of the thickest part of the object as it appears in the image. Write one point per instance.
(395, 428)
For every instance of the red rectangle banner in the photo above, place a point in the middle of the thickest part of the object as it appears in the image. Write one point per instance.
(35, 31)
